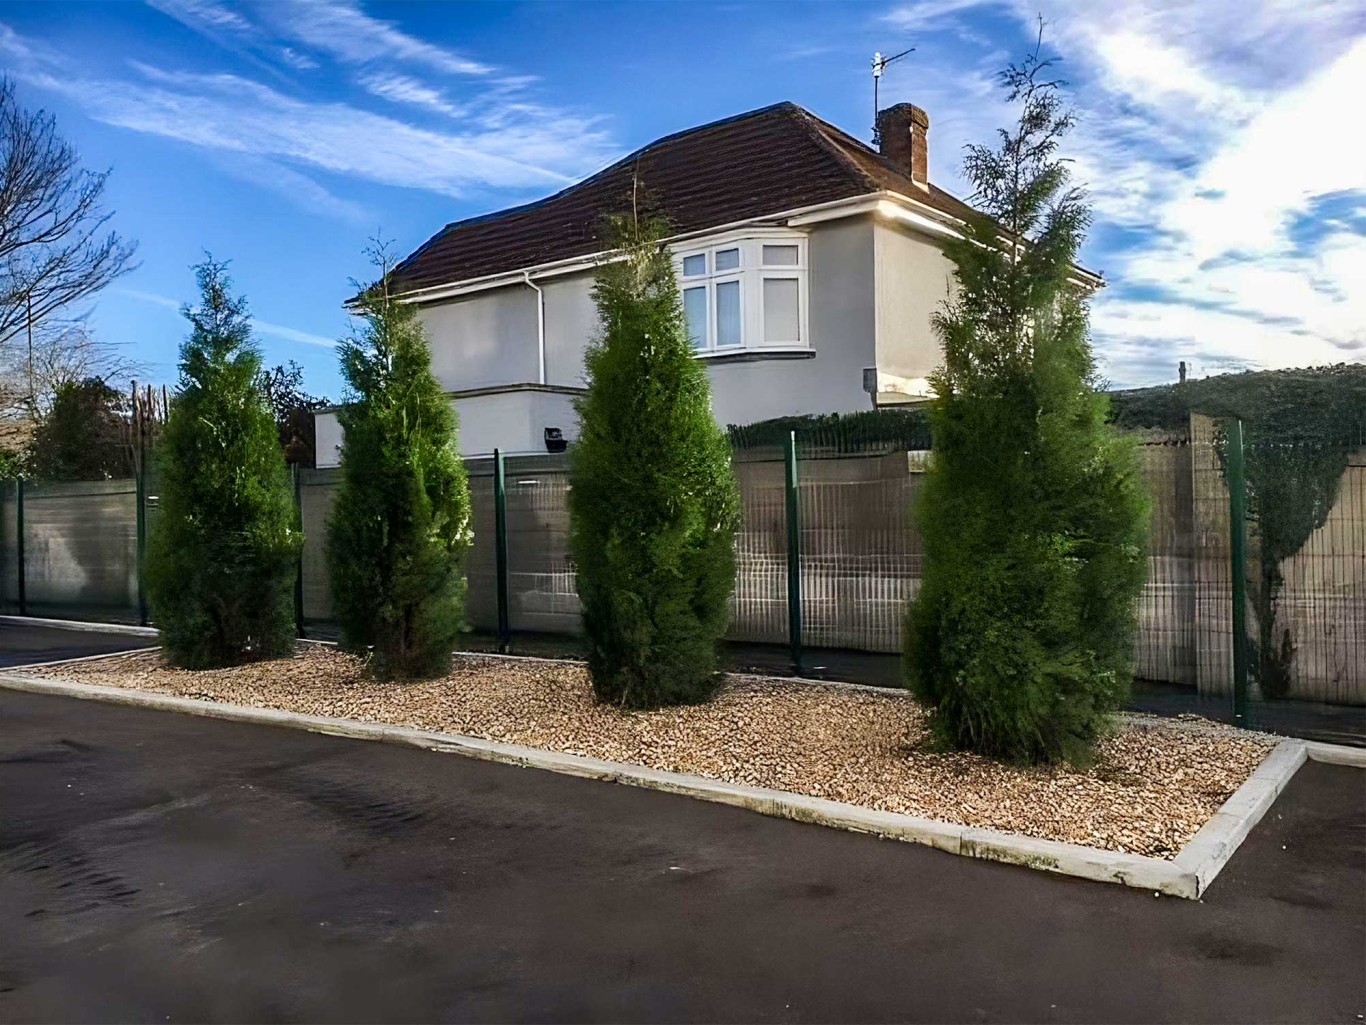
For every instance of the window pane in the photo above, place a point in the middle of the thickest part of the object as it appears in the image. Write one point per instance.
(694, 265)
(695, 311)
(728, 313)
(780, 256)
(727, 259)
(782, 310)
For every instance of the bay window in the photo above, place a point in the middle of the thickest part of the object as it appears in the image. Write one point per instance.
(745, 294)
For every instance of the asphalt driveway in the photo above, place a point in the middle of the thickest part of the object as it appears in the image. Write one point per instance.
(163, 867)
(25, 643)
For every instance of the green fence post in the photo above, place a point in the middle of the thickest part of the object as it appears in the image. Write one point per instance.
(794, 556)
(19, 542)
(1237, 535)
(140, 497)
(500, 541)
(299, 563)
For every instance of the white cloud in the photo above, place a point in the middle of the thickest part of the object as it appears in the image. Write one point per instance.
(1221, 257)
(1159, 74)
(1206, 131)
(338, 29)
(298, 187)
(264, 327)
(203, 14)
(927, 14)
(344, 32)
(507, 145)
(1293, 149)
(296, 60)
(290, 334)
(402, 89)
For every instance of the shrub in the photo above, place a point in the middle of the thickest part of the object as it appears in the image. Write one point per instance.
(654, 505)
(1033, 511)
(401, 522)
(840, 432)
(222, 554)
(84, 436)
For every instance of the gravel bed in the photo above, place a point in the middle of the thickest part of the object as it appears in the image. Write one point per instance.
(1154, 784)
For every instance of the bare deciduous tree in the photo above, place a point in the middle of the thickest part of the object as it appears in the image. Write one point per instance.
(64, 352)
(54, 249)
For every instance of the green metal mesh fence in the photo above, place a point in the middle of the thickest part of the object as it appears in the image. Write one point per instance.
(9, 549)
(758, 607)
(859, 563)
(80, 549)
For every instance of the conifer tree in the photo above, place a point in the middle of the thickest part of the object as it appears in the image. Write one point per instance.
(400, 526)
(222, 553)
(654, 505)
(1033, 511)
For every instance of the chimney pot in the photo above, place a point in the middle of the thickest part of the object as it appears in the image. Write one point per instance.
(903, 138)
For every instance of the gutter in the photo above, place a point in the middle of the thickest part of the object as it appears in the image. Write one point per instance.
(474, 393)
(905, 210)
(574, 264)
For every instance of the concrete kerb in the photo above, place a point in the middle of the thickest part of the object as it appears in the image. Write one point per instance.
(1188, 875)
(102, 656)
(82, 626)
(1206, 853)
(1336, 754)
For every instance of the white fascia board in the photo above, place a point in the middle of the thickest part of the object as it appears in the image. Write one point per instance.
(890, 206)
(893, 206)
(891, 209)
(437, 293)
(573, 265)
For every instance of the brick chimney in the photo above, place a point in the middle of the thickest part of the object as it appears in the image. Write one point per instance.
(903, 138)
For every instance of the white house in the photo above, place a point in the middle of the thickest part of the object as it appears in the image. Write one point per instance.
(810, 265)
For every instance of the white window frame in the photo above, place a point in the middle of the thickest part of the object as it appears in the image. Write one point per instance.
(751, 274)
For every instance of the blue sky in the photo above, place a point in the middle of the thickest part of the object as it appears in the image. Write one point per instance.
(1230, 191)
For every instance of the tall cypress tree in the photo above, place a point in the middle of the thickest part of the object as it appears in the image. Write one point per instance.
(1033, 511)
(654, 505)
(221, 556)
(400, 526)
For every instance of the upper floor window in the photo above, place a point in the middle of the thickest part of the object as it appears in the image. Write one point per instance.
(748, 293)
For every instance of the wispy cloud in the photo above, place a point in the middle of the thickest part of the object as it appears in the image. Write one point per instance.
(508, 144)
(265, 327)
(294, 31)
(290, 334)
(402, 89)
(344, 32)
(230, 28)
(921, 15)
(299, 188)
(204, 14)
(1207, 133)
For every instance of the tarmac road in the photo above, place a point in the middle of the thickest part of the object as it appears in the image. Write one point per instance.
(161, 867)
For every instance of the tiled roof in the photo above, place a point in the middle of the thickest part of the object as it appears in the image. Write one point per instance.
(765, 162)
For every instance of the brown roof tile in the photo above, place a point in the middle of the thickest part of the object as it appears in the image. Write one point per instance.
(761, 163)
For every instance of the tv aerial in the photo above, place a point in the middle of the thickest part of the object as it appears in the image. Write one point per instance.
(880, 63)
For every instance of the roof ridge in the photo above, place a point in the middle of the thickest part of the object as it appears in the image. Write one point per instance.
(815, 127)
(745, 167)
(822, 127)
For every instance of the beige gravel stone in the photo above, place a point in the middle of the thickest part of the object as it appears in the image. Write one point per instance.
(1154, 784)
